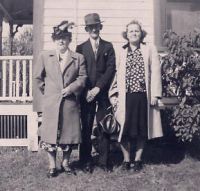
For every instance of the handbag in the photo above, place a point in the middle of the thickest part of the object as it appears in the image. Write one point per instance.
(109, 124)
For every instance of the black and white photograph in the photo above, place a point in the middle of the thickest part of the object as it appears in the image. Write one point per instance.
(99, 95)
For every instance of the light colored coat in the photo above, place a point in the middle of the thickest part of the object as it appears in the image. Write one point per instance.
(153, 86)
(56, 109)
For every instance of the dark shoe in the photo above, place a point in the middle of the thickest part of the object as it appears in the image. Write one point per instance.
(138, 165)
(52, 173)
(105, 168)
(68, 170)
(88, 167)
(126, 166)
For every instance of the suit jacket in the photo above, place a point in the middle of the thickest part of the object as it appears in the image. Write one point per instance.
(56, 109)
(100, 71)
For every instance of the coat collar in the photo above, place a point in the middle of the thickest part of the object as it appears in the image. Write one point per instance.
(69, 60)
(71, 56)
(145, 53)
(54, 64)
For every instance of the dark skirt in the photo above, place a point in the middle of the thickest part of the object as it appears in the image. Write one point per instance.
(136, 115)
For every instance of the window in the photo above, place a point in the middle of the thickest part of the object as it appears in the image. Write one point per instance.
(181, 16)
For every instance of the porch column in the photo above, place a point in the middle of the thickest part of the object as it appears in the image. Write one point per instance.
(38, 25)
(159, 21)
(1, 30)
(11, 38)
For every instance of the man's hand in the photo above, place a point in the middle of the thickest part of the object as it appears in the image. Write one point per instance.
(66, 92)
(91, 94)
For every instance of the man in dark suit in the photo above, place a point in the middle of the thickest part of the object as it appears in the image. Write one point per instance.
(100, 64)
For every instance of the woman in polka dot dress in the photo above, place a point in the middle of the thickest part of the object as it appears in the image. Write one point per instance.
(136, 90)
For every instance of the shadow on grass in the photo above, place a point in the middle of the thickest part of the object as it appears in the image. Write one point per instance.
(158, 151)
(166, 150)
(162, 151)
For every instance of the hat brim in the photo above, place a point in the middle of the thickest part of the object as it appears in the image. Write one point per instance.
(61, 35)
(92, 23)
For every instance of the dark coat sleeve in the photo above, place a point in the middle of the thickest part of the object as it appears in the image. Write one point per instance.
(106, 79)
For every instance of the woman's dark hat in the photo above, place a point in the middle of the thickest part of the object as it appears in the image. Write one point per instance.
(92, 19)
(62, 30)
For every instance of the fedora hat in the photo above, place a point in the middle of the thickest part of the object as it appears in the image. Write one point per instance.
(62, 30)
(92, 19)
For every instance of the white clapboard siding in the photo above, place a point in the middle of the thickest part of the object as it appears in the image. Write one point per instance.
(113, 30)
(111, 37)
(98, 4)
(49, 44)
(115, 14)
(110, 21)
(106, 13)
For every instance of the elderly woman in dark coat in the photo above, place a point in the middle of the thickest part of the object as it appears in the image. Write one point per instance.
(136, 91)
(60, 75)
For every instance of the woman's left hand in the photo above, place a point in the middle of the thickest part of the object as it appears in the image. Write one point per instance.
(154, 101)
(66, 92)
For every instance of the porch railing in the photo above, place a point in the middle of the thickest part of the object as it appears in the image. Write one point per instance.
(16, 78)
(18, 122)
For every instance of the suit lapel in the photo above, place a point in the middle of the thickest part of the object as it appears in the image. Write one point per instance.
(100, 48)
(89, 49)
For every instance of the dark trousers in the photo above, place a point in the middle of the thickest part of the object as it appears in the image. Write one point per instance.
(88, 112)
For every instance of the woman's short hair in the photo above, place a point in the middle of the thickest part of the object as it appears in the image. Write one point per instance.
(135, 22)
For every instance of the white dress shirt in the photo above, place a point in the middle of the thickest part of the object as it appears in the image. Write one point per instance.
(62, 59)
(95, 45)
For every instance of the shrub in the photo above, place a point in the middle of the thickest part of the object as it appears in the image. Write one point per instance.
(180, 77)
(22, 45)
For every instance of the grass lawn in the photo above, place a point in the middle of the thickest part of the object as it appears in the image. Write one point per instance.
(167, 168)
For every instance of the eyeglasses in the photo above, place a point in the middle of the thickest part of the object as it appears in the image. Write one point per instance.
(95, 26)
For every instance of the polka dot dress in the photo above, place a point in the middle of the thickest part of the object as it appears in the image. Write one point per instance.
(135, 74)
(136, 98)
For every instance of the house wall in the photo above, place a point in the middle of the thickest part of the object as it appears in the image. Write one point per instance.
(115, 14)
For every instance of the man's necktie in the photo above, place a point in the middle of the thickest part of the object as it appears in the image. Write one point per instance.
(96, 46)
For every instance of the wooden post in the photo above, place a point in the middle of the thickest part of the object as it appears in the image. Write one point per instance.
(32, 131)
(4, 78)
(38, 16)
(159, 21)
(24, 79)
(1, 30)
(11, 38)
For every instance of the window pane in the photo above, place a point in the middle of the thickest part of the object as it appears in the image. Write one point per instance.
(182, 16)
